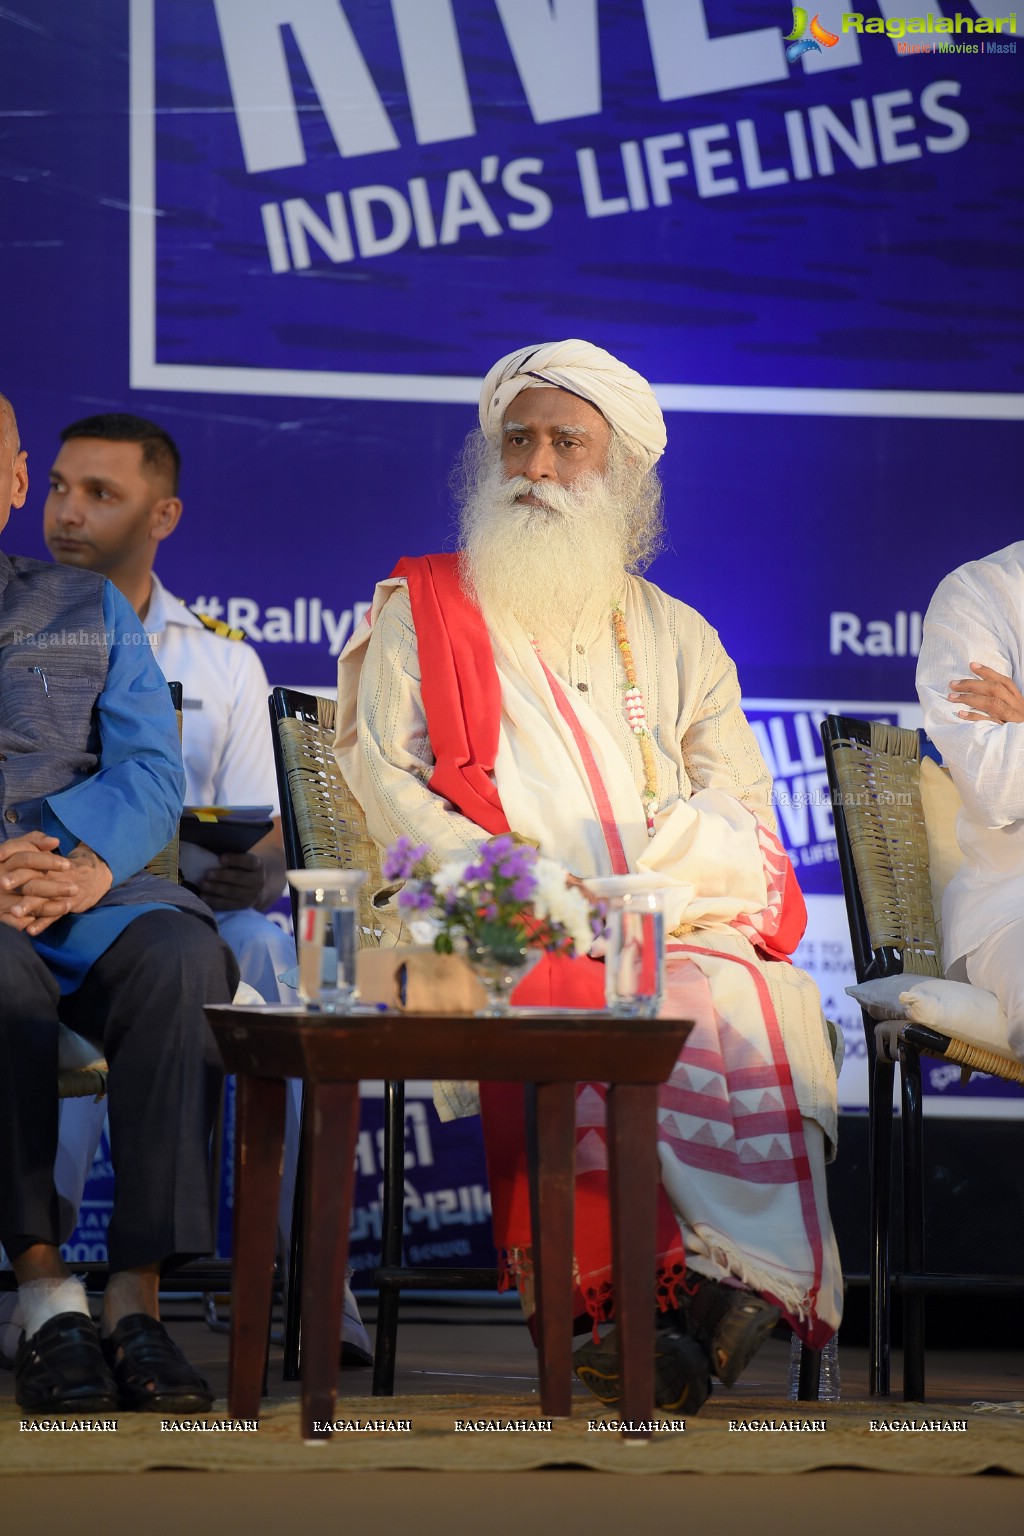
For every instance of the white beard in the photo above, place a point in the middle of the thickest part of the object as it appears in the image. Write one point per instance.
(541, 564)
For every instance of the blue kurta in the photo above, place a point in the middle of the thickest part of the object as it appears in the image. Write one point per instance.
(128, 809)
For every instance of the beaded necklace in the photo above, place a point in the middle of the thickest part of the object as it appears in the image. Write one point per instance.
(636, 718)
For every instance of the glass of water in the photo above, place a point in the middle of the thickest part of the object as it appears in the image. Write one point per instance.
(634, 962)
(327, 936)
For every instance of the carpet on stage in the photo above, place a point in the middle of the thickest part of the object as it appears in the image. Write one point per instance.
(991, 1439)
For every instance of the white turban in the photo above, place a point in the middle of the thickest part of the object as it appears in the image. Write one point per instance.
(623, 397)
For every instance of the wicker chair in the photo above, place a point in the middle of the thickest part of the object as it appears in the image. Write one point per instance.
(324, 828)
(874, 777)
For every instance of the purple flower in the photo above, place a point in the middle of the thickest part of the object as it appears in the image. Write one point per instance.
(415, 897)
(520, 860)
(522, 887)
(401, 858)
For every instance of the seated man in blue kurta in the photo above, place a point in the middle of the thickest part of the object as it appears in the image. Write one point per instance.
(91, 786)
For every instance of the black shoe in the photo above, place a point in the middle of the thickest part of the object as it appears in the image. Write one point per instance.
(730, 1323)
(61, 1369)
(682, 1383)
(151, 1373)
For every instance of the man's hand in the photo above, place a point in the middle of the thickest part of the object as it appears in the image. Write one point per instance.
(236, 882)
(253, 879)
(988, 696)
(38, 886)
(35, 882)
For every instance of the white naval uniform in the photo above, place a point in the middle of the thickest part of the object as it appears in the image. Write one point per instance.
(228, 754)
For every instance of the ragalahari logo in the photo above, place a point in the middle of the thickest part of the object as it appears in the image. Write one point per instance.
(799, 43)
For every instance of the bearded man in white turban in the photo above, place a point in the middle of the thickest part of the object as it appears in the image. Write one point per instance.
(536, 683)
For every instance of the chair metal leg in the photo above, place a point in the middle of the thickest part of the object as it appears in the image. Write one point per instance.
(392, 1224)
(808, 1381)
(880, 1178)
(292, 1366)
(913, 1224)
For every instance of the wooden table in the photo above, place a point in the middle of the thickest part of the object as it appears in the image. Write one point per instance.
(547, 1052)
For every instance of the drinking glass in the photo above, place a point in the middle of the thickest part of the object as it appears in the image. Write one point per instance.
(327, 936)
(634, 962)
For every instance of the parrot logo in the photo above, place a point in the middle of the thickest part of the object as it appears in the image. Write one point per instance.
(799, 44)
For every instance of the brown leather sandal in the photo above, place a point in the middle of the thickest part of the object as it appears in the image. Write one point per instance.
(151, 1373)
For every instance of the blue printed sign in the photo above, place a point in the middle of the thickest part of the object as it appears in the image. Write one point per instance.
(375, 200)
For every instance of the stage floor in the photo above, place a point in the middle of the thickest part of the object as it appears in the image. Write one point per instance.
(450, 1348)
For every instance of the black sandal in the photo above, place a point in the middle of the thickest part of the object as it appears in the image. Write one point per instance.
(61, 1369)
(151, 1373)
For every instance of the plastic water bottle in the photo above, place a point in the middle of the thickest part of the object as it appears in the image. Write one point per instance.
(828, 1379)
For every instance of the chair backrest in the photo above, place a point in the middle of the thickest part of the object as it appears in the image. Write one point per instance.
(321, 820)
(874, 775)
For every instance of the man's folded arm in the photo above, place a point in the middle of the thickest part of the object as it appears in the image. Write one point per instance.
(986, 757)
(126, 811)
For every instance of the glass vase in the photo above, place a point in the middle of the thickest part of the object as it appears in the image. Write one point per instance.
(499, 973)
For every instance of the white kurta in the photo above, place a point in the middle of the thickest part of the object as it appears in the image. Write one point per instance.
(750, 1198)
(977, 614)
(706, 754)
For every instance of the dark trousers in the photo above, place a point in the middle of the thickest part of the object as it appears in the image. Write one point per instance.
(142, 1002)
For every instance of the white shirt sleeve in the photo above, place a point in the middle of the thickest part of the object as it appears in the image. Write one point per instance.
(226, 742)
(974, 617)
(244, 774)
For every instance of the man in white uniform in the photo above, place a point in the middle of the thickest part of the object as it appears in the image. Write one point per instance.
(535, 684)
(969, 677)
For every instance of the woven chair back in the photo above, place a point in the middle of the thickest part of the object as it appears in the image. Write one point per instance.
(329, 820)
(879, 781)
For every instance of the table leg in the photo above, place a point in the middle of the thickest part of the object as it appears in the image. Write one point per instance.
(259, 1148)
(551, 1132)
(330, 1130)
(633, 1181)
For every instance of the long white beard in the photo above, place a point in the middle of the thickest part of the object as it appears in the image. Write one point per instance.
(541, 564)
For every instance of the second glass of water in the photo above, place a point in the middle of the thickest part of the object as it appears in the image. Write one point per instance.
(634, 962)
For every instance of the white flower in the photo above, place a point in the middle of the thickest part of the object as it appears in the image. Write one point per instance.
(424, 930)
(450, 876)
(562, 904)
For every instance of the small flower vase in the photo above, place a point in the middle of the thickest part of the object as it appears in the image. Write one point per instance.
(499, 973)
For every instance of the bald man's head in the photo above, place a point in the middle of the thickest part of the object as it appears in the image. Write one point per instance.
(13, 463)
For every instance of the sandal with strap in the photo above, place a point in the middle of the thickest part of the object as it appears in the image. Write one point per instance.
(151, 1373)
(729, 1322)
(61, 1368)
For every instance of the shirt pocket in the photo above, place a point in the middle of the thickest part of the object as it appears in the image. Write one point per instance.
(48, 695)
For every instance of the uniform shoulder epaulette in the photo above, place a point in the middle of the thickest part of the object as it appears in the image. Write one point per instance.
(218, 627)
